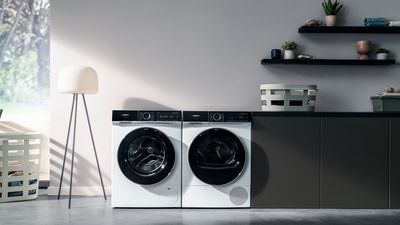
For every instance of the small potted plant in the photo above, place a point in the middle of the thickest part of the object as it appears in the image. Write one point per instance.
(289, 47)
(382, 54)
(331, 10)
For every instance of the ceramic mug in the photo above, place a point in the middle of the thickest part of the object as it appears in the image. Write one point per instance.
(276, 54)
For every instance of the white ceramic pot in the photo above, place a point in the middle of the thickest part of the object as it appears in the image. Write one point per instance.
(289, 54)
(330, 20)
(381, 56)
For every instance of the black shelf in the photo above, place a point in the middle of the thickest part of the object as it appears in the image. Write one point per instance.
(350, 29)
(328, 62)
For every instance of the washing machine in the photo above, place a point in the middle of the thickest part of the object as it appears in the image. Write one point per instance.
(216, 152)
(146, 159)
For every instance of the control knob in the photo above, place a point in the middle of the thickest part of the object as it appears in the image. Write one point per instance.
(217, 116)
(146, 116)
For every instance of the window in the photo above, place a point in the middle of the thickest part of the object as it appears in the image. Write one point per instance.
(24, 63)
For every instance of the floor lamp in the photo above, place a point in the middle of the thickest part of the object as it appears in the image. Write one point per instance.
(77, 80)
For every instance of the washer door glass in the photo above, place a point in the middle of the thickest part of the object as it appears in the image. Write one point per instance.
(146, 156)
(217, 156)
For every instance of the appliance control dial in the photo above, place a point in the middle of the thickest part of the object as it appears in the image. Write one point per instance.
(146, 116)
(217, 116)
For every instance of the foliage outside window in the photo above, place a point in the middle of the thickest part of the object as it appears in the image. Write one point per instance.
(24, 58)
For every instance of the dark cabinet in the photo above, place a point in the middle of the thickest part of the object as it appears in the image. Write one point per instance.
(285, 162)
(395, 163)
(354, 162)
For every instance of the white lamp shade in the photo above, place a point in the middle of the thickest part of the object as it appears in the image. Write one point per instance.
(78, 80)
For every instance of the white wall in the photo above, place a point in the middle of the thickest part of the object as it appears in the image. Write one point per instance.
(198, 55)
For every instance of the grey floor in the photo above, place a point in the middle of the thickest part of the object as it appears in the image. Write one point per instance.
(94, 210)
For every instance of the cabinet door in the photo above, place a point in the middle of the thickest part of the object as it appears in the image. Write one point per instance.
(354, 160)
(395, 164)
(285, 162)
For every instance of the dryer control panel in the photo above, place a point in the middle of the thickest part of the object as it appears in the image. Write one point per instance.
(216, 116)
(229, 116)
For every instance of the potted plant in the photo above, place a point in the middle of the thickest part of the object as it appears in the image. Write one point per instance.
(289, 47)
(331, 10)
(382, 54)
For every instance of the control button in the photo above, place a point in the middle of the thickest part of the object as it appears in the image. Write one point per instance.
(217, 116)
(146, 116)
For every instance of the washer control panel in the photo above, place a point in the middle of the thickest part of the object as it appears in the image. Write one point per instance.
(125, 115)
(159, 116)
(136, 115)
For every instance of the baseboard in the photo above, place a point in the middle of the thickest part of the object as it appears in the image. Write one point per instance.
(88, 191)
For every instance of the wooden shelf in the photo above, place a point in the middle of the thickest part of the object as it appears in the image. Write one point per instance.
(350, 29)
(328, 62)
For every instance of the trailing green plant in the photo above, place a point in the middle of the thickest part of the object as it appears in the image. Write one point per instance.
(330, 8)
(382, 50)
(289, 45)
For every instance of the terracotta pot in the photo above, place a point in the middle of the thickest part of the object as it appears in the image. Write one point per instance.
(330, 20)
(363, 48)
(363, 57)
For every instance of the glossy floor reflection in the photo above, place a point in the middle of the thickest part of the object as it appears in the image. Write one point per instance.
(94, 210)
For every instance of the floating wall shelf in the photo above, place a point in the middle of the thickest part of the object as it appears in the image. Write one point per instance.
(350, 29)
(328, 62)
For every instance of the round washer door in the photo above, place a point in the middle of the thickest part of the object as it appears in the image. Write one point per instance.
(217, 156)
(146, 156)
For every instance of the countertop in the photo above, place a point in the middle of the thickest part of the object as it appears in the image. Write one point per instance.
(329, 114)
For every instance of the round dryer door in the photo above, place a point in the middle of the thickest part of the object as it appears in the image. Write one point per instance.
(217, 156)
(146, 156)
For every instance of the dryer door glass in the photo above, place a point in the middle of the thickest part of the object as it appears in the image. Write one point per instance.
(146, 156)
(217, 156)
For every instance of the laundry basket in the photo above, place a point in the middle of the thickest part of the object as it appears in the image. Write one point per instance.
(286, 97)
(19, 166)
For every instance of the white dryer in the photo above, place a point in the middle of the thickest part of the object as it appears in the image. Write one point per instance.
(146, 159)
(216, 152)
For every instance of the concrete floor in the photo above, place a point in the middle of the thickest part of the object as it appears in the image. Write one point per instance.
(94, 210)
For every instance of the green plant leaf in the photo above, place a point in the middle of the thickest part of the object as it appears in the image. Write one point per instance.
(330, 4)
(382, 50)
(331, 8)
(335, 5)
(325, 8)
(338, 9)
(289, 45)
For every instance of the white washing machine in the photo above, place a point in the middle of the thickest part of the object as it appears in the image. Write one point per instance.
(216, 151)
(146, 159)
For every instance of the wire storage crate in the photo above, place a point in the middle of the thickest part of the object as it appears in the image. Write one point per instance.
(386, 103)
(287, 97)
(19, 166)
